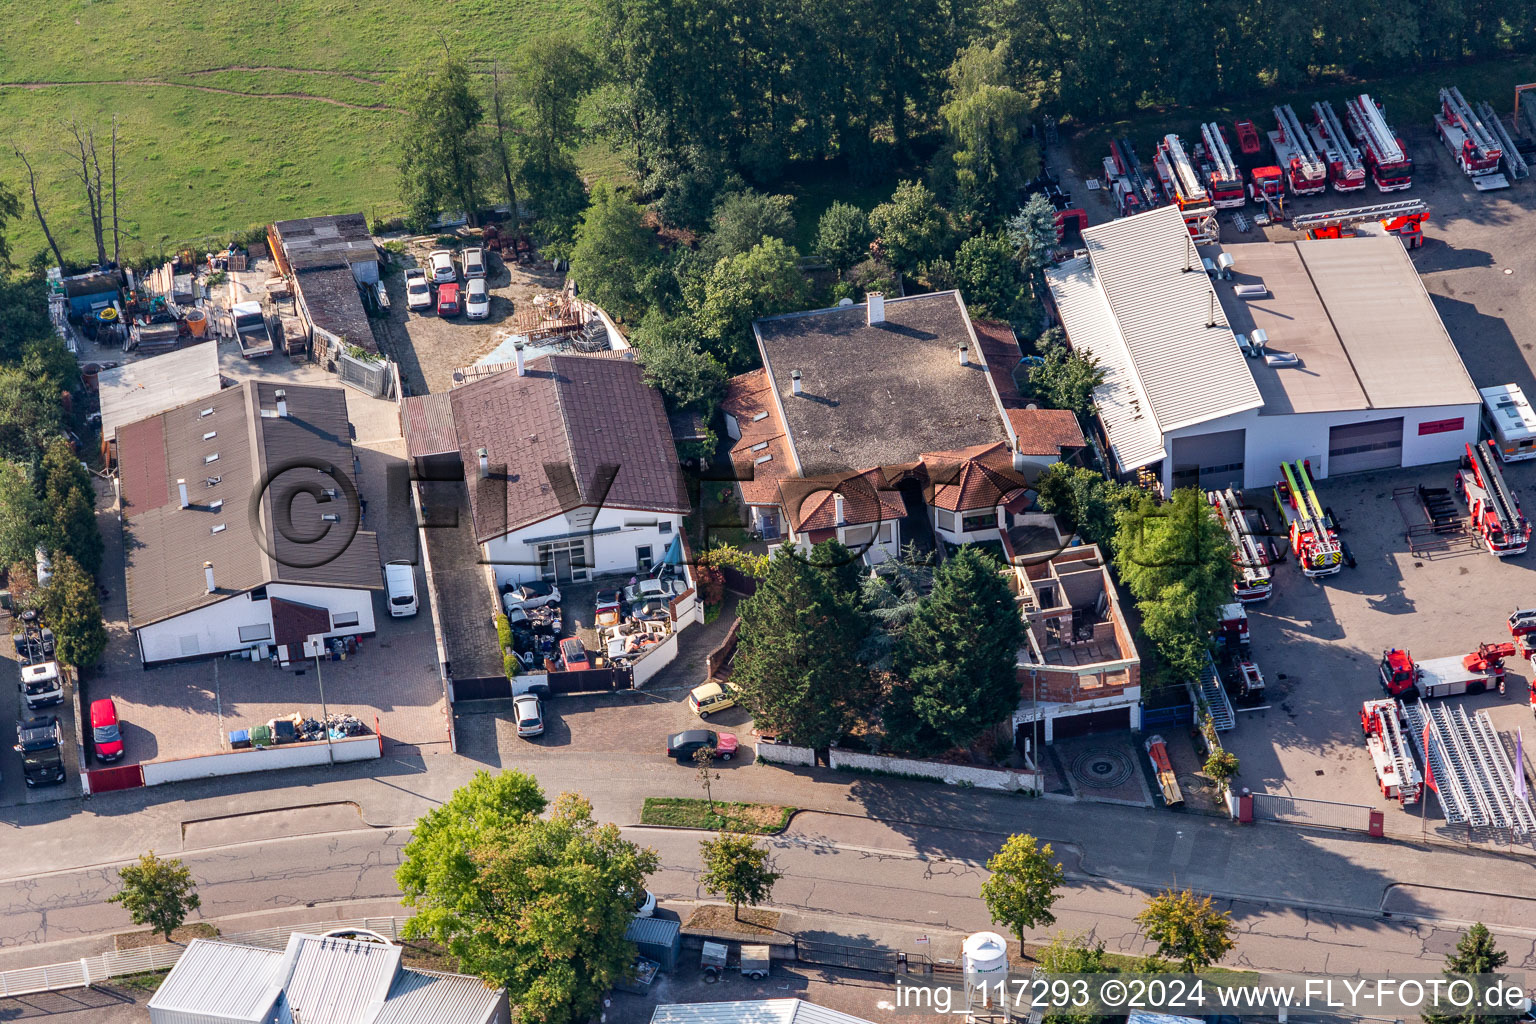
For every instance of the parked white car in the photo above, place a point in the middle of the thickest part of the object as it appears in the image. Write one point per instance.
(400, 588)
(474, 263)
(477, 299)
(418, 293)
(528, 710)
(441, 262)
(529, 595)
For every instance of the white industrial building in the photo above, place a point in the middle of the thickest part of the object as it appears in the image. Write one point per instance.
(1356, 371)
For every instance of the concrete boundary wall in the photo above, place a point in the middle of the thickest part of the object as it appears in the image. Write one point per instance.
(654, 660)
(289, 755)
(1006, 780)
(784, 753)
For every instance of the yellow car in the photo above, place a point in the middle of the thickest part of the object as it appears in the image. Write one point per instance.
(711, 697)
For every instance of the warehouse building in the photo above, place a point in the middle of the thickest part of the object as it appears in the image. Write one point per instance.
(1327, 350)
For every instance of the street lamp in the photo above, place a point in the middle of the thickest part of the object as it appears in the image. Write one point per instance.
(325, 725)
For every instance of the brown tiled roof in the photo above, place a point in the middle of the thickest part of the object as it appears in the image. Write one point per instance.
(257, 458)
(978, 477)
(1000, 347)
(574, 427)
(749, 400)
(293, 622)
(810, 503)
(1046, 431)
(427, 421)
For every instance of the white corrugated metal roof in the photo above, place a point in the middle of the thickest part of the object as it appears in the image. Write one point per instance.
(338, 981)
(1190, 372)
(222, 979)
(144, 387)
(756, 1011)
(1135, 439)
(427, 997)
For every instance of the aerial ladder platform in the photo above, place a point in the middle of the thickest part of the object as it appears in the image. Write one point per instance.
(1385, 157)
(1396, 773)
(1305, 171)
(1178, 174)
(1250, 554)
(1143, 188)
(1514, 163)
(1467, 767)
(1346, 168)
(1476, 149)
(1312, 538)
(1404, 217)
(1224, 179)
(1495, 511)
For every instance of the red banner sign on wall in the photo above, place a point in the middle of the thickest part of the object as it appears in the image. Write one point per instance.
(1441, 426)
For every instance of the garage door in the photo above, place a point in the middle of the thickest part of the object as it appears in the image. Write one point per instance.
(1090, 721)
(1209, 460)
(1357, 447)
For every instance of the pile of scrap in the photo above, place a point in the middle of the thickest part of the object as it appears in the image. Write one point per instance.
(550, 316)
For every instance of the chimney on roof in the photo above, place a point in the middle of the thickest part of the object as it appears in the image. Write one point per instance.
(1018, 460)
(517, 351)
(794, 383)
(837, 509)
(208, 576)
(181, 485)
(282, 403)
(876, 304)
(485, 462)
(962, 352)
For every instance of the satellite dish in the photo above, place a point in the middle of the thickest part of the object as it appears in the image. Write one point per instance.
(841, 303)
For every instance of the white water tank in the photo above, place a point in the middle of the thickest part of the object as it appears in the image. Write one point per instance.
(984, 956)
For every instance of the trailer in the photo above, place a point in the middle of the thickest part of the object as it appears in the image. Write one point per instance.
(1346, 168)
(1385, 157)
(1162, 767)
(1475, 149)
(1305, 172)
(1311, 533)
(1482, 670)
(1404, 218)
(1223, 178)
(1514, 164)
(1468, 768)
(1494, 509)
(1396, 773)
(1251, 554)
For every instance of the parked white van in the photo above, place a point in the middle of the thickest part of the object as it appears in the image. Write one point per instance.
(400, 588)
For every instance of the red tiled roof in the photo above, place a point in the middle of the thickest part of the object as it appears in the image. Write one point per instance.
(811, 504)
(981, 476)
(1046, 431)
(749, 400)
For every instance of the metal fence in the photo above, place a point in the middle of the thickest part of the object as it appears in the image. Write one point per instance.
(1299, 811)
(90, 970)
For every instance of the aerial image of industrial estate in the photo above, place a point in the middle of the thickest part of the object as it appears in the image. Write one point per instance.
(717, 512)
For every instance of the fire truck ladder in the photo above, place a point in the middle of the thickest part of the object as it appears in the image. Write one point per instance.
(1251, 557)
(1190, 189)
(1308, 510)
(1216, 702)
(1474, 780)
(1408, 778)
(1135, 175)
(1291, 128)
(1491, 479)
(1365, 117)
(1333, 131)
(1518, 168)
(1358, 214)
(1221, 156)
(1459, 110)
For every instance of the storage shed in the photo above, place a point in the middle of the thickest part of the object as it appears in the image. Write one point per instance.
(657, 938)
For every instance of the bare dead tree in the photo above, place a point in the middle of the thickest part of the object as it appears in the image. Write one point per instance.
(501, 138)
(114, 190)
(37, 206)
(86, 146)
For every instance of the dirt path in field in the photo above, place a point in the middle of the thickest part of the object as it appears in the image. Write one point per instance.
(204, 88)
(289, 71)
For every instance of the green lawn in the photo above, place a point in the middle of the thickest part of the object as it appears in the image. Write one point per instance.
(764, 819)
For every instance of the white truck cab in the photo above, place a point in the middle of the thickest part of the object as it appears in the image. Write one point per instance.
(41, 685)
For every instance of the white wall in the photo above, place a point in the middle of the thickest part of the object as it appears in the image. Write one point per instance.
(516, 560)
(235, 762)
(654, 660)
(216, 627)
(1271, 440)
(784, 753)
(1005, 779)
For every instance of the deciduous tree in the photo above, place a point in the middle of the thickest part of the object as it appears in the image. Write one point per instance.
(439, 139)
(843, 236)
(764, 281)
(1022, 887)
(1084, 500)
(743, 219)
(955, 664)
(1066, 379)
(159, 893)
(738, 869)
(988, 278)
(984, 120)
(70, 499)
(687, 377)
(1075, 955)
(615, 259)
(1188, 929)
(912, 227)
(20, 514)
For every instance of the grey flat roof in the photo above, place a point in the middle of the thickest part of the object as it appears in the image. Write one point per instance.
(222, 980)
(880, 395)
(1295, 320)
(1395, 340)
(144, 387)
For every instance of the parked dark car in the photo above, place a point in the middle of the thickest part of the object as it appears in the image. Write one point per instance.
(684, 745)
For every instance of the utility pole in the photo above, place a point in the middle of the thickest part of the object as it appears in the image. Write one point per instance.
(325, 725)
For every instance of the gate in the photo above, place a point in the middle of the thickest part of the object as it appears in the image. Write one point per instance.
(1300, 811)
(1183, 714)
(593, 680)
(482, 688)
(110, 780)
(853, 958)
(367, 376)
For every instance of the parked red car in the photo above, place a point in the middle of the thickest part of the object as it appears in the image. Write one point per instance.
(106, 730)
(448, 300)
(574, 655)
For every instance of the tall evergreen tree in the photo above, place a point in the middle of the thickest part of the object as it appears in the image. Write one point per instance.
(72, 610)
(955, 663)
(797, 657)
(70, 499)
(1475, 954)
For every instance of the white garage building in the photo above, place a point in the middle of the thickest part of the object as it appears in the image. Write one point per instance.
(1358, 372)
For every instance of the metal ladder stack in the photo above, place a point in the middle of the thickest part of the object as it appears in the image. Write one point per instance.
(1221, 156)
(1513, 810)
(1333, 131)
(1474, 780)
(1459, 110)
(1358, 214)
(1222, 716)
(1291, 128)
(1518, 168)
(1444, 769)
(1365, 117)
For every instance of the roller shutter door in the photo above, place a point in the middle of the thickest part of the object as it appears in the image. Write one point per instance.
(1067, 726)
(1357, 447)
(1209, 460)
